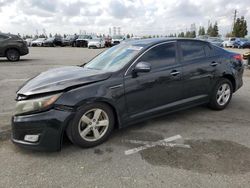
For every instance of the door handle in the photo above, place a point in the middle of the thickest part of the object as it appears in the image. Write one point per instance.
(175, 73)
(213, 64)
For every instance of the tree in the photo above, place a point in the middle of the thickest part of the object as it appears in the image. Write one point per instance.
(215, 31)
(193, 34)
(42, 36)
(240, 27)
(201, 31)
(181, 34)
(50, 35)
(209, 29)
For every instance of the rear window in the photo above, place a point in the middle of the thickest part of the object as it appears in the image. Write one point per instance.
(191, 50)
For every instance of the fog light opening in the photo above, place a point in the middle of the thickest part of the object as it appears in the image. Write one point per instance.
(31, 138)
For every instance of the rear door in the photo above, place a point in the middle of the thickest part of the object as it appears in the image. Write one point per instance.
(198, 69)
(153, 91)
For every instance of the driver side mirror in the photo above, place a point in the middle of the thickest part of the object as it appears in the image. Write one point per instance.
(141, 67)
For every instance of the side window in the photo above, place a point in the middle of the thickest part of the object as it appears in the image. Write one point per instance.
(212, 50)
(2, 37)
(160, 56)
(209, 51)
(192, 50)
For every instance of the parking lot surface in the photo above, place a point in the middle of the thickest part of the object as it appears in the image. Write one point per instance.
(217, 152)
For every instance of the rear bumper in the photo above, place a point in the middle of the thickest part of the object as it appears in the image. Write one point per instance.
(49, 126)
(24, 51)
(239, 78)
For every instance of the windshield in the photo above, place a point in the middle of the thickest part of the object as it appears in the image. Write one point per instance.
(95, 40)
(40, 39)
(114, 58)
(214, 40)
(117, 37)
(69, 37)
(84, 37)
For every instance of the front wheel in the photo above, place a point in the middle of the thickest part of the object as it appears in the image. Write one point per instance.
(221, 95)
(92, 125)
(13, 55)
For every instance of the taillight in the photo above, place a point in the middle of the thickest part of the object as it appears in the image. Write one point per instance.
(237, 57)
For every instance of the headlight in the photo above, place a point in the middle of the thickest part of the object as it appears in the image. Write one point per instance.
(34, 105)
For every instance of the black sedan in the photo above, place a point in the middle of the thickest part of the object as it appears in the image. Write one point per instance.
(53, 42)
(125, 84)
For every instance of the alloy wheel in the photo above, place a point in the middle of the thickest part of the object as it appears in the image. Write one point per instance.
(223, 94)
(93, 125)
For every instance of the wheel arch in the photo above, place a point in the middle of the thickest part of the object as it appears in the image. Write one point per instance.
(231, 79)
(10, 48)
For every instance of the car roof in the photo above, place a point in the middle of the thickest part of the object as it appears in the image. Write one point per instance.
(8, 34)
(153, 41)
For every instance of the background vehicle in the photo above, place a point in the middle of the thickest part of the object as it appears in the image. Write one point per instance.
(96, 43)
(38, 42)
(241, 43)
(229, 42)
(108, 41)
(82, 40)
(29, 41)
(70, 40)
(215, 41)
(12, 47)
(127, 83)
(53, 41)
(117, 39)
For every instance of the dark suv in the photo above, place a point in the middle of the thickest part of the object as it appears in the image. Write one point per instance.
(12, 47)
(125, 84)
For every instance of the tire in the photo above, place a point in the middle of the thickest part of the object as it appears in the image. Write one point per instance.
(86, 124)
(13, 55)
(221, 94)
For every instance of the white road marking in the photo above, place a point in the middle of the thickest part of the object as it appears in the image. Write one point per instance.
(147, 144)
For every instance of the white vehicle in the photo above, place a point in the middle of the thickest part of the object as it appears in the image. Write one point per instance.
(38, 42)
(117, 39)
(229, 42)
(29, 41)
(96, 43)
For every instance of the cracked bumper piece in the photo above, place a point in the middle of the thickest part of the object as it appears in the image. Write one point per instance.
(40, 131)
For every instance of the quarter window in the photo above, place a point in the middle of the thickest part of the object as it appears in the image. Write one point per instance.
(160, 56)
(192, 50)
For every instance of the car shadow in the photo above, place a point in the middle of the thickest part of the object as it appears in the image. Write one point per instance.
(16, 62)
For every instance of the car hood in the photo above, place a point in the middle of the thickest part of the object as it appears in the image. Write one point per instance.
(94, 42)
(37, 41)
(59, 79)
(48, 41)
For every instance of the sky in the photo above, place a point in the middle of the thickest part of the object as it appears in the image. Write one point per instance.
(140, 17)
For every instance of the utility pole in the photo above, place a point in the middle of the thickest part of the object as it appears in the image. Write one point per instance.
(235, 16)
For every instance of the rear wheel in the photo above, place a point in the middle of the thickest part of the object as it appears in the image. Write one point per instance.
(13, 55)
(221, 94)
(92, 125)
